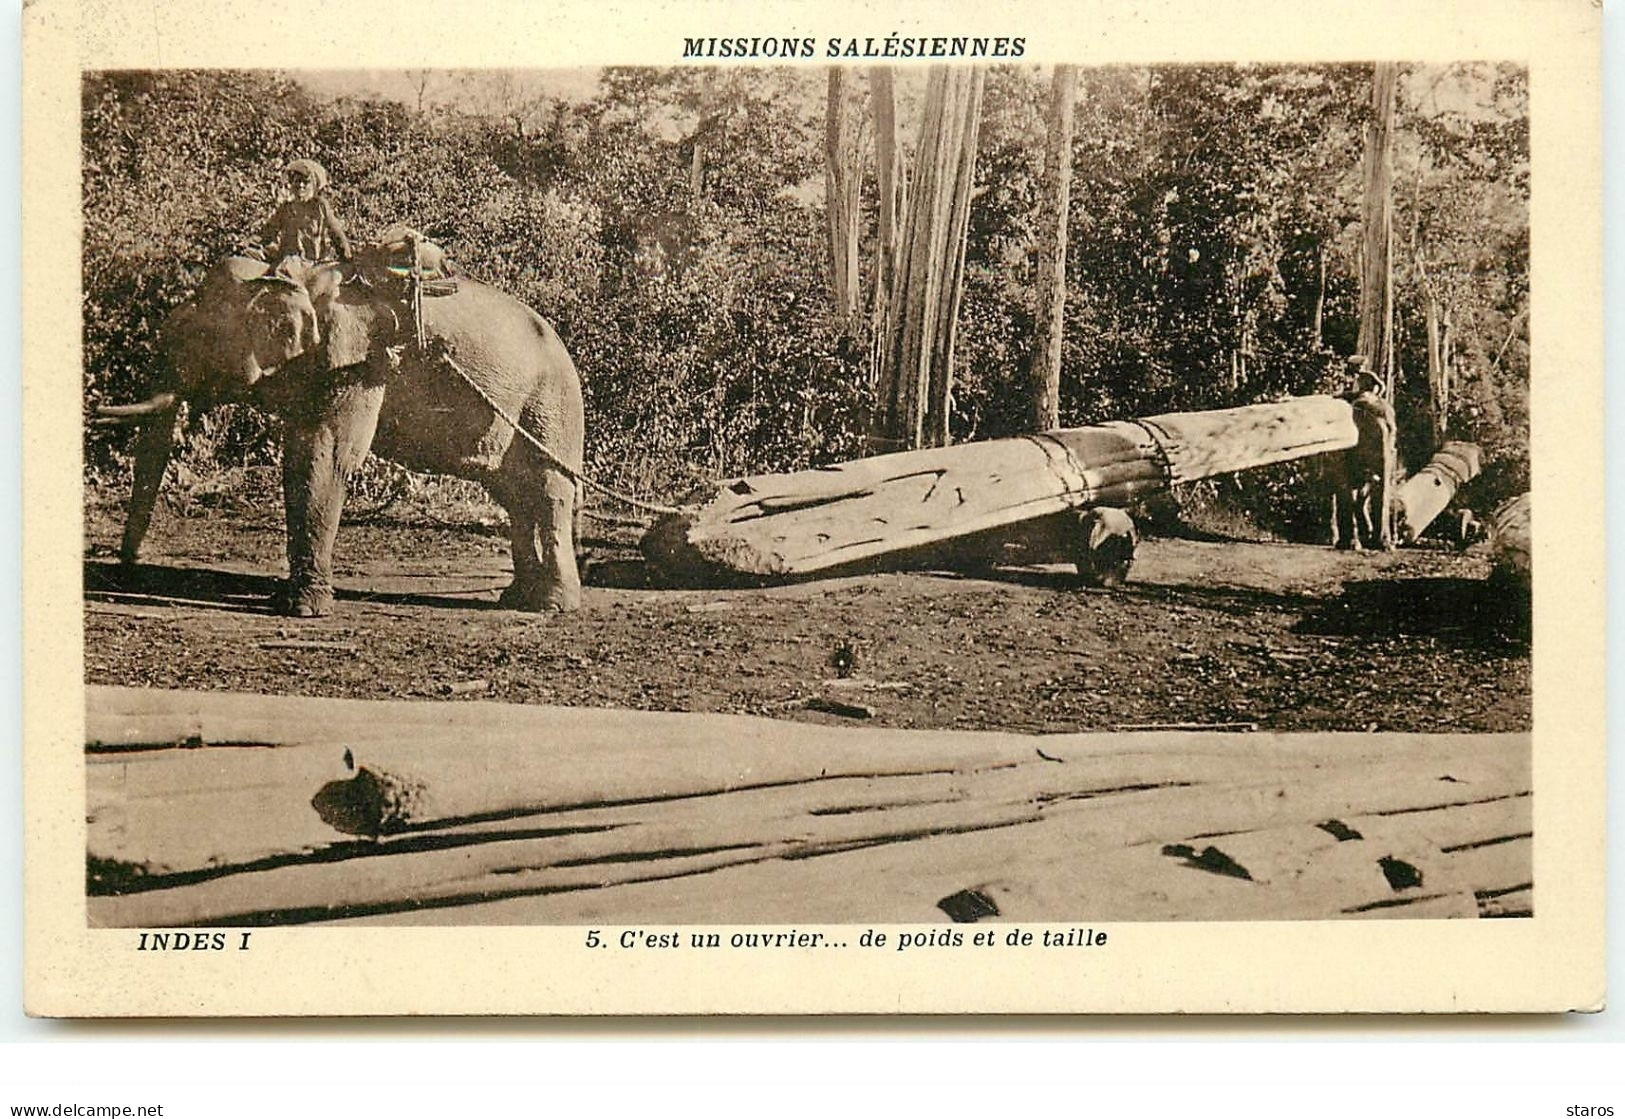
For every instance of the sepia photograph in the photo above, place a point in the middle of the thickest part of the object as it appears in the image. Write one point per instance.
(805, 485)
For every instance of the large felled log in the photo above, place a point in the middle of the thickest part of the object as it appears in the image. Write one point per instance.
(549, 814)
(1424, 495)
(891, 505)
(1510, 540)
(498, 812)
(1112, 853)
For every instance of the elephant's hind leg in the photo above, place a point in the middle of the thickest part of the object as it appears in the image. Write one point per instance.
(545, 575)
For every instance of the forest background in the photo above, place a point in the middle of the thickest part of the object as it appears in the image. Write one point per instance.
(671, 223)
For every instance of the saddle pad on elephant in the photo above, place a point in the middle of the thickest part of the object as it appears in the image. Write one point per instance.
(394, 253)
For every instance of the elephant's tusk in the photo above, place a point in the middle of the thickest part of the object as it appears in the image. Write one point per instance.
(162, 402)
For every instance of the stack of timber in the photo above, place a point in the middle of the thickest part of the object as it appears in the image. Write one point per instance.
(1423, 496)
(846, 516)
(222, 809)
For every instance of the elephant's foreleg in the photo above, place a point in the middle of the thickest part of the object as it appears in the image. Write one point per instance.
(153, 446)
(318, 456)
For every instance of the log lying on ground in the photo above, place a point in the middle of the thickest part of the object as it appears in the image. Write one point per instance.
(1510, 540)
(896, 505)
(503, 813)
(1424, 495)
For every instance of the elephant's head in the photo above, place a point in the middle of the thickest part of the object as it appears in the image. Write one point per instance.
(243, 324)
(305, 323)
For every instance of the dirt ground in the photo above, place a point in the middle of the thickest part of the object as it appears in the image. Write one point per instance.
(1284, 637)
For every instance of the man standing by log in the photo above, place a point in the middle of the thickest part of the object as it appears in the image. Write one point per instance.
(1363, 476)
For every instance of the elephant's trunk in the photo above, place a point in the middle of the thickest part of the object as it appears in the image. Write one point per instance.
(152, 449)
(160, 402)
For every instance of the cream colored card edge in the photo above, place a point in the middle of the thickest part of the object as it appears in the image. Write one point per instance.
(1551, 962)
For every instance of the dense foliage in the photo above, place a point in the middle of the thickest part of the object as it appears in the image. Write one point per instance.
(671, 225)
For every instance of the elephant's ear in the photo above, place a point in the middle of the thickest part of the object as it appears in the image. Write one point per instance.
(357, 330)
(193, 344)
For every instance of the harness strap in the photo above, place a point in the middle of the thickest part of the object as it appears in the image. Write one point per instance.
(415, 287)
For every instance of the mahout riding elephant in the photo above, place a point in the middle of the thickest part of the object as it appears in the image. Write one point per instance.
(340, 362)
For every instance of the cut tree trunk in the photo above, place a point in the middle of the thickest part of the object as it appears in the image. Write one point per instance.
(885, 508)
(1056, 193)
(1423, 496)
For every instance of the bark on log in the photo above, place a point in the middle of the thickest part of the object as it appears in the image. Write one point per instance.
(893, 506)
(1419, 499)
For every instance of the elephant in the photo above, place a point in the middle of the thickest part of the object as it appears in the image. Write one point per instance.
(1361, 479)
(339, 359)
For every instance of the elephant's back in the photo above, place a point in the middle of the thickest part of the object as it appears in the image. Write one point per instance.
(479, 313)
(472, 297)
(514, 361)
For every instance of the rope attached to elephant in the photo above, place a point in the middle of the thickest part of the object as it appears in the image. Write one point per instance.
(554, 460)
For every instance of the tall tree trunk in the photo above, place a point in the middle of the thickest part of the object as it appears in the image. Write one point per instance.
(892, 188)
(919, 334)
(841, 179)
(710, 122)
(1437, 364)
(1054, 198)
(1438, 387)
(1320, 291)
(1446, 363)
(1376, 338)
